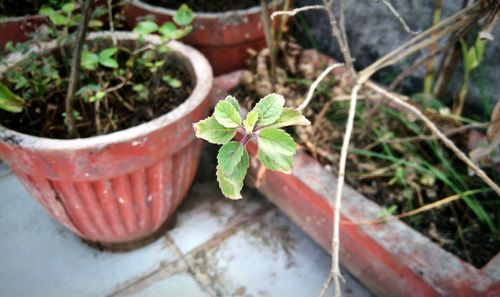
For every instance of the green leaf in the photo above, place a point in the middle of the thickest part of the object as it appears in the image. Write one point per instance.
(276, 149)
(58, 19)
(138, 87)
(227, 115)
(88, 90)
(145, 27)
(46, 10)
(183, 16)
(234, 102)
(249, 122)
(105, 57)
(168, 30)
(108, 62)
(68, 8)
(231, 184)
(173, 82)
(95, 24)
(471, 60)
(229, 156)
(179, 33)
(480, 46)
(21, 82)
(89, 60)
(290, 117)
(9, 101)
(213, 132)
(107, 52)
(269, 109)
(387, 211)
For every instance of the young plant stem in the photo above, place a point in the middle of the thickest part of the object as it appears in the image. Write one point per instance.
(429, 67)
(245, 139)
(75, 67)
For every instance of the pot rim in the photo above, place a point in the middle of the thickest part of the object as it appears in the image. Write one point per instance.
(203, 77)
(206, 15)
(21, 18)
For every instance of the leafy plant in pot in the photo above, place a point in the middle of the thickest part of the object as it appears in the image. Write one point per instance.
(137, 97)
(223, 31)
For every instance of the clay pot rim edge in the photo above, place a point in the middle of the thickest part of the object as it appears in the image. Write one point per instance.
(203, 78)
(205, 15)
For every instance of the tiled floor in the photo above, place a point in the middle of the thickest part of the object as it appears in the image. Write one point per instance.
(217, 248)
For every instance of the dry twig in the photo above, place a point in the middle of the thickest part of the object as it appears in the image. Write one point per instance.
(296, 10)
(398, 16)
(75, 67)
(446, 141)
(315, 84)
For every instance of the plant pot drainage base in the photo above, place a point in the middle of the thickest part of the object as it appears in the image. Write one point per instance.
(127, 246)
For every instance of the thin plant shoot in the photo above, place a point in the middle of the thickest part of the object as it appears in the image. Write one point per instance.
(276, 148)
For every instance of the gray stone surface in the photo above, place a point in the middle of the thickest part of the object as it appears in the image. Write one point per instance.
(373, 32)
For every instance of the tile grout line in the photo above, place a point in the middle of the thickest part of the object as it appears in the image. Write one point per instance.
(216, 239)
(171, 268)
(162, 272)
(190, 269)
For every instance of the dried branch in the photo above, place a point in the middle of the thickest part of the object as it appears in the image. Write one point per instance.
(446, 141)
(75, 67)
(315, 84)
(339, 37)
(413, 212)
(340, 186)
(446, 26)
(398, 16)
(434, 137)
(326, 284)
(296, 10)
(269, 40)
(110, 20)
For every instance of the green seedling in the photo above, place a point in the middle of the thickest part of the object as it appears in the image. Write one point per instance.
(276, 148)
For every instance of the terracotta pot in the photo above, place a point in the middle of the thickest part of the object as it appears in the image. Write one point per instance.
(391, 259)
(19, 29)
(122, 186)
(224, 38)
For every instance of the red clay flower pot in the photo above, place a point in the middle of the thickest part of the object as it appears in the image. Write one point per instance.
(18, 29)
(392, 259)
(224, 38)
(122, 186)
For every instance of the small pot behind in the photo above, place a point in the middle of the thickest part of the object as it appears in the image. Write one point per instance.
(224, 38)
(19, 29)
(120, 187)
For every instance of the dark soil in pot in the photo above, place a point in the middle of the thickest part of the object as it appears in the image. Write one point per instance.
(134, 93)
(388, 162)
(207, 6)
(13, 8)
